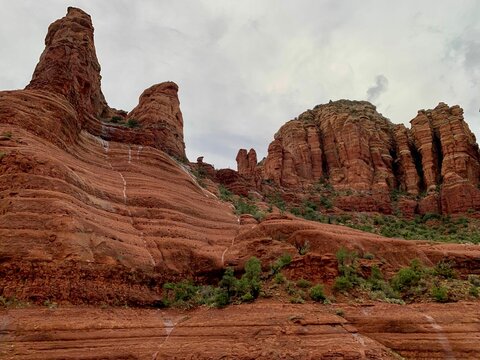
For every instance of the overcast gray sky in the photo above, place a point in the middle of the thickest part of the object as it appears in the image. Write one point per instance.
(246, 67)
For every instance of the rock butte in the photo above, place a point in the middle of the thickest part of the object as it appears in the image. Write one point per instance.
(92, 212)
(351, 146)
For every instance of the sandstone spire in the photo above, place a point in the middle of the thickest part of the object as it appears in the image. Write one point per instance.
(68, 66)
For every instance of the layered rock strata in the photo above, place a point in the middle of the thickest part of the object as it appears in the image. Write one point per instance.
(351, 146)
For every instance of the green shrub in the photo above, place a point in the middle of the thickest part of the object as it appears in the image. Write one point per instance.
(116, 119)
(186, 294)
(326, 202)
(302, 283)
(375, 273)
(179, 294)
(244, 207)
(368, 256)
(444, 269)
(132, 123)
(405, 278)
(474, 291)
(297, 300)
(474, 279)
(347, 265)
(440, 293)
(12, 302)
(342, 283)
(225, 194)
(250, 281)
(276, 200)
(279, 278)
(281, 262)
(317, 294)
(290, 288)
(304, 248)
(229, 282)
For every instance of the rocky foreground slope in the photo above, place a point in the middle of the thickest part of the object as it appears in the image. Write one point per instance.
(99, 206)
(262, 330)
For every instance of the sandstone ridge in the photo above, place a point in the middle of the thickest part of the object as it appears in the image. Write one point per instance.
(352, 147)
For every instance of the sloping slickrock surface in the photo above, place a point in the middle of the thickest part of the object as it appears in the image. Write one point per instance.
(257, 331)
(263, 330)
(421, 331)
(98, 211)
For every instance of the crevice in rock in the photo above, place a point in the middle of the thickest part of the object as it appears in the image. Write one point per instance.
(437, 146)
(325, 169)
(417, 159)
(396, 170)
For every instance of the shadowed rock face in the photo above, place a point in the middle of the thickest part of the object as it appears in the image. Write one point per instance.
(353, 147)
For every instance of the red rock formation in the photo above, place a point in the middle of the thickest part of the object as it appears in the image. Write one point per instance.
(233, 181)
(346, 141)
(247, 162)
(158, 113)
(354, 148)
(276, 331)
(87, 220)
(406, 173)
(68, 66)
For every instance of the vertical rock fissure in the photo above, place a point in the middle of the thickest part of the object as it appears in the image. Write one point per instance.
(325, 168)
(398, 174)
(417, 159)
(437, 145)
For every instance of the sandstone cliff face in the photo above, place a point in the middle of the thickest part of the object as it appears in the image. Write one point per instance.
(346, 142)
(158, 113)
(247, 162)
(351, 146)
(92, 211)
(68, 66)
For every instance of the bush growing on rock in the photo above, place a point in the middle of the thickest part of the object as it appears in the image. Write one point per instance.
(342, 283)
(225, 194)
(302, 283)
(281, 262)
(132, 123)
(440, 293)
(445, 269)
(186, 294)
(405, 278)
(317, 294)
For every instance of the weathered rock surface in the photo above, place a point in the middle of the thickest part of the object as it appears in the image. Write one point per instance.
(158, 112)
(421, 331)
(99, 221)
(352, 147)
(279, 234)
(89, 213)
(68, 66)
(263, 330)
